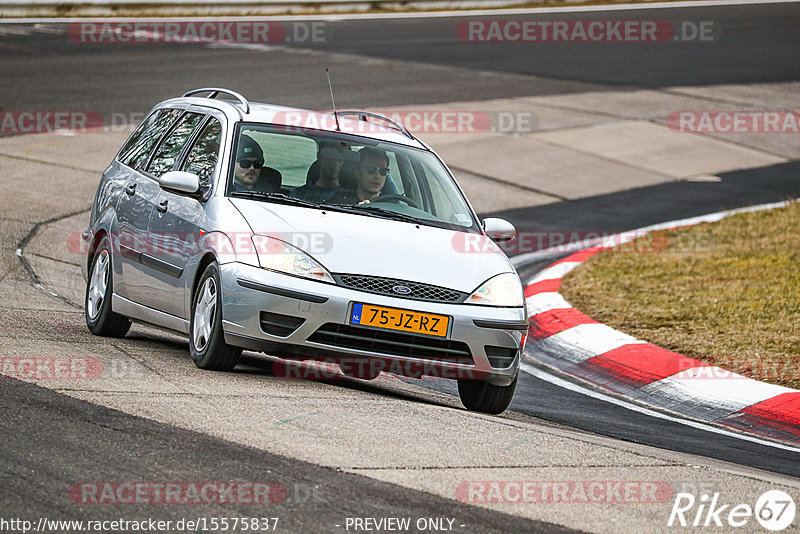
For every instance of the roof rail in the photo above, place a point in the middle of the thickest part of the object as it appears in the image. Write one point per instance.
(216, 91)
(362, 115)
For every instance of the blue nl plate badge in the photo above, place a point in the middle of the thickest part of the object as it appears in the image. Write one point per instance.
(356, 316)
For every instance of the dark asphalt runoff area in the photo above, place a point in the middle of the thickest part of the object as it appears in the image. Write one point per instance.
(39, 70)
(755, 43)
(751, 43)
(53, 443)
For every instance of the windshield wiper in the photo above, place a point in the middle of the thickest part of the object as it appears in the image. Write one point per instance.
(278, 197)
(286, 199)
(344, 208)
(384, 212)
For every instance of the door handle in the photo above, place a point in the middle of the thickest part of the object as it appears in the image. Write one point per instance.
(130, 190)
(162, 206)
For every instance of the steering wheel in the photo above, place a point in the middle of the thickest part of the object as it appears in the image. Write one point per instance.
(396, 198)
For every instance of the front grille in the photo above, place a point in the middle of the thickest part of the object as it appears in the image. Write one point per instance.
(383, 286)
(500, 357)
(392, 343)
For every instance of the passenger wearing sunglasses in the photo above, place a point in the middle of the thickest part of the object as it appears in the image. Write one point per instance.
(322, 179)
(371, 172)
(249, 172)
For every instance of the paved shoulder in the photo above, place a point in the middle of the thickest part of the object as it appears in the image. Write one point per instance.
(52, 470)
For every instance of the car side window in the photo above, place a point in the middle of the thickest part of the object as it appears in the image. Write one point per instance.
(204, 154)
(290, 154)
(134, 153)
(395, 174)
(170, 148)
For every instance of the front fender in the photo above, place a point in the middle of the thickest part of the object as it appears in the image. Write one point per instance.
(225, 249)
(229, 248)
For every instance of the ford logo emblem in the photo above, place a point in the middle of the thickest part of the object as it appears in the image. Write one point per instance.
(403, 290)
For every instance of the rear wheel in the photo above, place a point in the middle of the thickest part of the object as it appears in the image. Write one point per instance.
(480, 396)
(99, 287)
(206, 338)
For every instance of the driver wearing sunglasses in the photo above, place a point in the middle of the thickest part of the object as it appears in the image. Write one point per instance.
(371, 175)
(249, 173)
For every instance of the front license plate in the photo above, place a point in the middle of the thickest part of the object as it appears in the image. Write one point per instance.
(402, 320)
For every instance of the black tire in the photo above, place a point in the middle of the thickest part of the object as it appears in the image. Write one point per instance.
(213, 354)
(480, 396)
(99, 317)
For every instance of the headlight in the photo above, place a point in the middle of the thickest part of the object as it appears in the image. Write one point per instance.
(276, 255)
(502, 290)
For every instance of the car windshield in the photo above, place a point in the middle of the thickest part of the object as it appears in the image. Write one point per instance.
(348, 173)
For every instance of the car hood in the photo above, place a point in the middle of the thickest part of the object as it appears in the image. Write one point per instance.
(361, 244)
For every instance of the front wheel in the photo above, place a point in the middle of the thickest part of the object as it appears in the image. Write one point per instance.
(100, 319)
(480, 396)
(206, 339)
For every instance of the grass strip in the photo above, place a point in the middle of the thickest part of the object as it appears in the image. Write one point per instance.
(725, 293)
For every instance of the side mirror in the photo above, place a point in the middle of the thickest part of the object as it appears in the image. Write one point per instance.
(180, 182)
(499, 229)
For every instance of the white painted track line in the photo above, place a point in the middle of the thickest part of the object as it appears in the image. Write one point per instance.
(560, 382)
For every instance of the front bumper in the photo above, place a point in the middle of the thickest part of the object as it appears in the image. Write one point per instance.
(248, 291)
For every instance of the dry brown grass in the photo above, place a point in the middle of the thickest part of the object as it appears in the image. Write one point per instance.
(726, 293)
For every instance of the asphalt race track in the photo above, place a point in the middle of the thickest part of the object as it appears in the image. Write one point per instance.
(374, 63)
(759, 45)
(148, 449)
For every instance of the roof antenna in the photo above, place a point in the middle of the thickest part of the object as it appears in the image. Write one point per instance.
(335, 116)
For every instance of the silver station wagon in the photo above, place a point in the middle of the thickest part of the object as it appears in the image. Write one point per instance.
(337, 237)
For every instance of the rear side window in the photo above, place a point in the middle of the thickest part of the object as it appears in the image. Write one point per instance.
(290, 154)
(134, 153)
(203, 157)
(170, 148)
